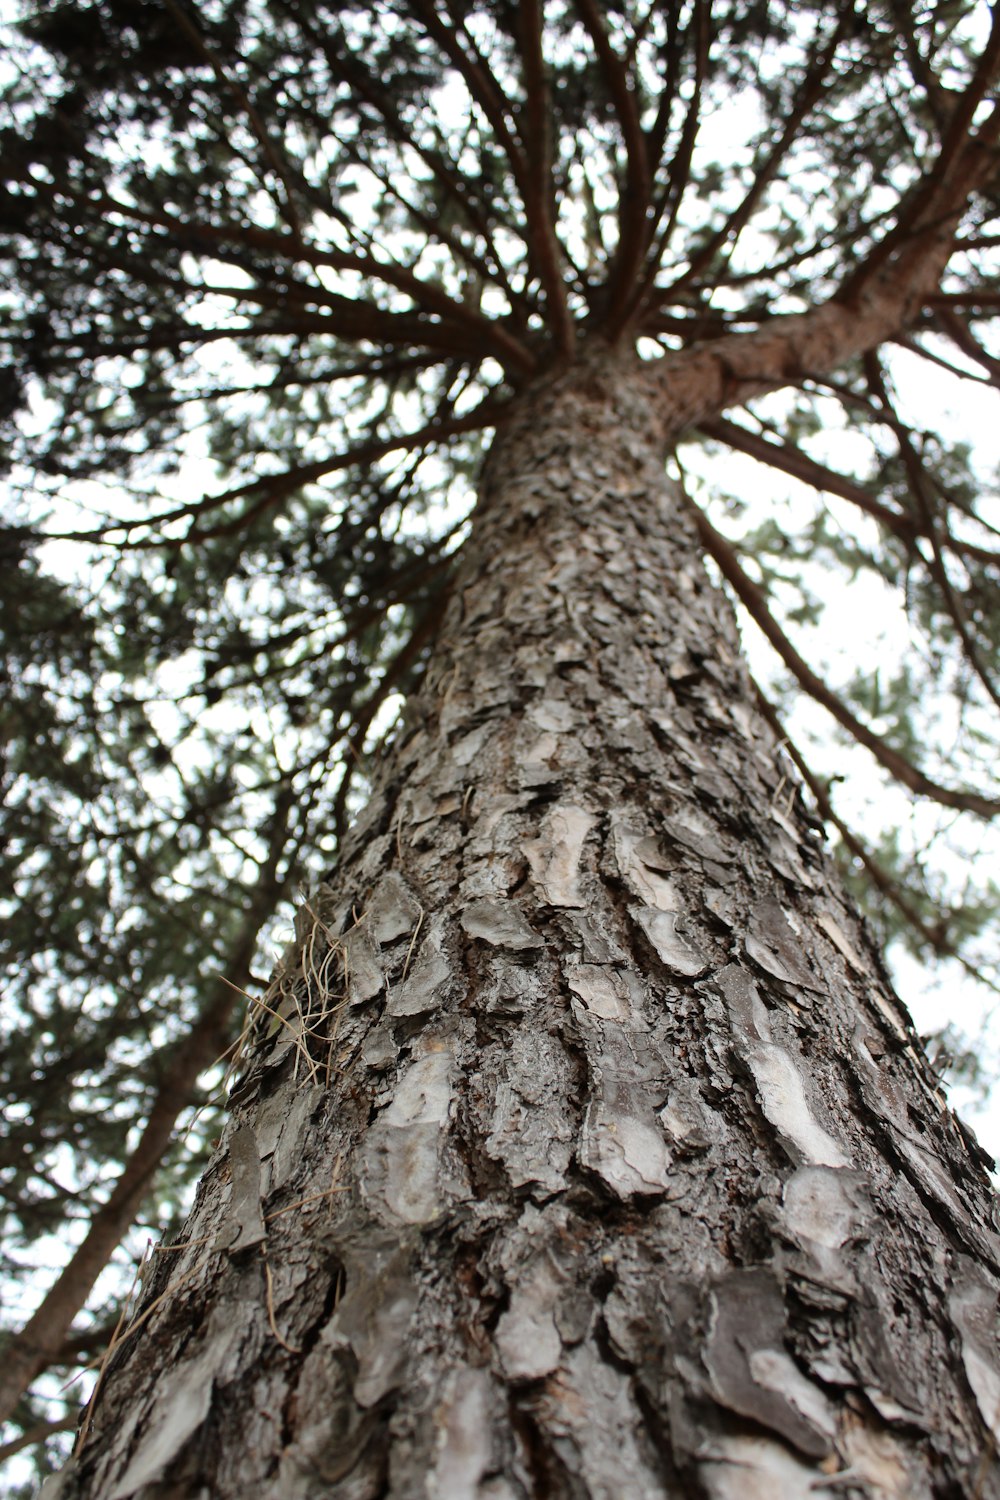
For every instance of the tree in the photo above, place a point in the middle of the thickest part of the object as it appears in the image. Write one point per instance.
(579, 1144)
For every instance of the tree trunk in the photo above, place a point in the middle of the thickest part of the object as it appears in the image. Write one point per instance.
(596, 1155)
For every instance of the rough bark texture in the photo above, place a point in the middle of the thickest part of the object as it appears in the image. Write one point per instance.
(641, 1185)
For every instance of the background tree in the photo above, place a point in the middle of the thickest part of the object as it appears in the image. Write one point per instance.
(308, 258)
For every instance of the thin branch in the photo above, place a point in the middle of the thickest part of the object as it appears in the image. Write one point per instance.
(933, 205)
(539, 203)
(657, 135)
(938, 569)
(277, 486)
(355, 622)
(847, 235)
(197, 40)
(394, 673)
(348, 68)
(962, 336)
(634, 194)
(38, 1343)
(679, 174)
(344, 319)
(791, 460)
(32, 1436)
(426, 296)
(809, 92)
(435, 228)
(888, 418)
(920, 69)
(484, 90)
(84, 1345)
(878, 302)
(753, 600)
(913, 346)
(880, 877)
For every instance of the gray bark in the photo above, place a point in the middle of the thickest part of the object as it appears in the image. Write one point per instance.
(624, 1173)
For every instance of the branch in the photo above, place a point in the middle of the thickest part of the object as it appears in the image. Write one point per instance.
(539, 203)
(917, 481)
(679, 174)
(435, 229)
(657, 135)
(920, 69)
(972, 299)
(482, 86)
(753, 600)
(634, 196)
(347, 68)
(38, 1343)
(808, 94)
(877, 303)
(32, 1436)
(962, 163)
(791, 460)
(194, 36)
(882, 880)
(277, 486)
(849, 397)
(426, 295)
(397, 588)
(847, 235)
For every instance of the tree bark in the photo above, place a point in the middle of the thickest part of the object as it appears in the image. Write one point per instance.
(592, 1154)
